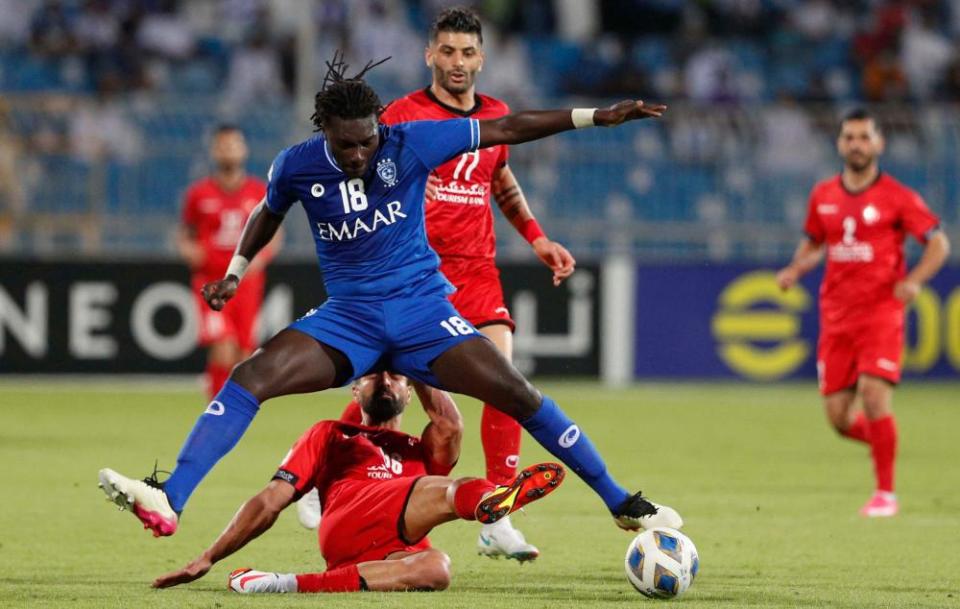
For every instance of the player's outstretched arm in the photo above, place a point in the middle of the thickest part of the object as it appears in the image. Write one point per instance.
(260, 228)
(535, 124)
(255, 516)
(807, 256)
(443, 434)
(935, 254)
(510, 200)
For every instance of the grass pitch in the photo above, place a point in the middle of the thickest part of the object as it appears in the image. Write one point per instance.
(769, 494)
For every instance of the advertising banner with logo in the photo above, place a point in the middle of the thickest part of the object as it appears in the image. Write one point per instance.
(733, 321)
(139, 317)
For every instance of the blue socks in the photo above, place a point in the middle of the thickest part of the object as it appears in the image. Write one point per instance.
(554, 430)
(215, 433)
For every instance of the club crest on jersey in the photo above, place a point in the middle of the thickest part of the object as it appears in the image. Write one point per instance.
(387, 170)
(317, 190)
(870, 214)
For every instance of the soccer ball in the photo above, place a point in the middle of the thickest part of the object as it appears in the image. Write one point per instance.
(661, 563)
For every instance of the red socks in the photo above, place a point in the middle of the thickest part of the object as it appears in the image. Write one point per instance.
(217, 375)
(883, 449)
(352, 413)
(500, 435)
(859, 430)
(468, 496)
(344, 579)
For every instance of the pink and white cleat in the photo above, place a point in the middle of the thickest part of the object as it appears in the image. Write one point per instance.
(882, 504)
(144, 498)
(250, 581)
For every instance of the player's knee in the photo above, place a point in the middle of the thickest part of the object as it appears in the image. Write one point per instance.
(432, 571)
(254, 374)
(876, 397)
(438, 571)
(521, 399)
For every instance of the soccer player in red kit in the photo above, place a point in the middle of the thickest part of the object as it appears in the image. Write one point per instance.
(861, 218)
(382, 492)
(460, 228)
(214, 211)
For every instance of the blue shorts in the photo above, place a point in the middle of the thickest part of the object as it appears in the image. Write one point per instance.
(402, 335)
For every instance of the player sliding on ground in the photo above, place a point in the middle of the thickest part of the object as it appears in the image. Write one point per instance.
(382, 492)
(362, 187)
(861, 218)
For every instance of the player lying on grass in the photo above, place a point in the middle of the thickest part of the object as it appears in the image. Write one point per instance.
(382, 491)
(362, 187)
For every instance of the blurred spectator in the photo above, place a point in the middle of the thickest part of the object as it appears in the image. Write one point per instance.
(254, 75)
(166, 32)
(926, 53)
(12, 199)
(513, 78)
(788, 141)
(950, 87)
(97, 27)
(884, 79)
(51, 32)
(15, 21)
(814, 19)
(101, 128)
(378, 29)
(710, 75)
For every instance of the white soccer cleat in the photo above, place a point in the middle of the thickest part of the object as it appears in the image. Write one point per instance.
(144, 498)
(501, 539)
(308, 510)
(637, 512)
(249, 581)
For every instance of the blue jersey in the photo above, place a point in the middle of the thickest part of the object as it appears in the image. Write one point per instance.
(370, 233)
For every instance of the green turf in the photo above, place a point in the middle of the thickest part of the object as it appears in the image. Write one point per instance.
(769, 494)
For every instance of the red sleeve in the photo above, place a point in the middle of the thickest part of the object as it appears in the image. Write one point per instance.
(813, 227)
(504, 156)
(392, 114)
(304, 462)
(917, 218)
(189, 213)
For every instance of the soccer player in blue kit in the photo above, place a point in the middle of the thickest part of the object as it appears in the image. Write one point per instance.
(361, 185)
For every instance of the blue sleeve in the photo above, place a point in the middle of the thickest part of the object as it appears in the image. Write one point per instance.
(278, 199)
(436, 142)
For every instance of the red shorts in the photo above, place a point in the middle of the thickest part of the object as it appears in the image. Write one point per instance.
(362, 521)
(238, 320)
(479, 295)
(845, 353)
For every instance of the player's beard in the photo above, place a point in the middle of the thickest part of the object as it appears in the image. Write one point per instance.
(859, 163)
(383, 406)
(456, 88)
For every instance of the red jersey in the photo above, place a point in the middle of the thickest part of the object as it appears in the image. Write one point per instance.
(217, 217)
(459, 220)
(333, 452)
(864, 234)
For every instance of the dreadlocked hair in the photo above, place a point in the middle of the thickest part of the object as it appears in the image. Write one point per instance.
(343, 97)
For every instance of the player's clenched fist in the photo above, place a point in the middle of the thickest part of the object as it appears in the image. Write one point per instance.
(217, 293)
(626, 111)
